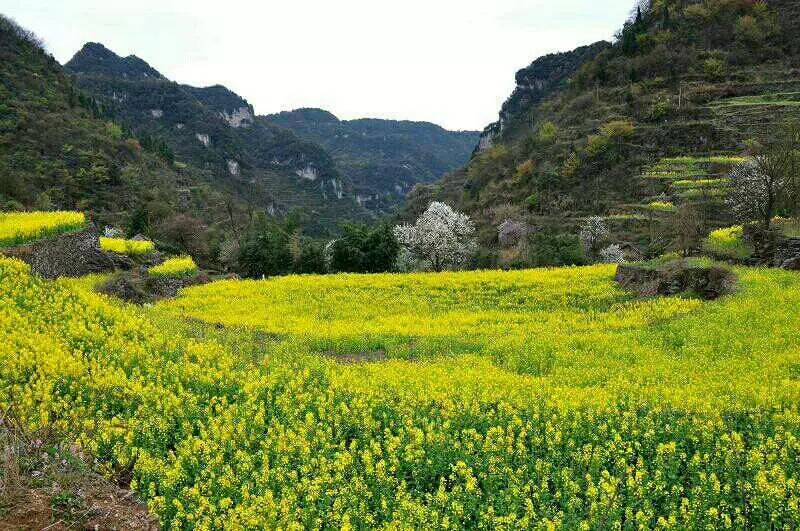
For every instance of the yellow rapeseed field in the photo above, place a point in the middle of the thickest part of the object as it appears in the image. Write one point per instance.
(121, 245)
(178, 266)
(21, 227)
(532, 399)
(727, 242)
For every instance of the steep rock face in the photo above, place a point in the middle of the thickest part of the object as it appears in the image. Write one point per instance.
(232, 108)
(383, 159)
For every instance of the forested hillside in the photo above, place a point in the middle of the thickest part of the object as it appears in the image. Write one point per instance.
(59, 149)
(633, 129)
(384, 159)
(215, 129)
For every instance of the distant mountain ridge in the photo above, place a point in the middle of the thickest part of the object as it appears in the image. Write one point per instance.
(309, 158)
(383, 158)
(215, 129)
(96, 58)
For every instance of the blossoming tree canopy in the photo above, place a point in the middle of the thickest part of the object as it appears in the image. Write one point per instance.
(441, 238)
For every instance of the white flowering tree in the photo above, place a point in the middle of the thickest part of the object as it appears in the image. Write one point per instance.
(441, 237)
(594, 235)
(758, 187)
(613, 254)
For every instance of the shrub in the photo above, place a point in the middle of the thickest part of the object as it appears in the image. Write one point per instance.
(548, 249)
(715, 69)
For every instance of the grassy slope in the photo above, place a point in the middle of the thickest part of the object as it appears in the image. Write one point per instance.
(683, 412)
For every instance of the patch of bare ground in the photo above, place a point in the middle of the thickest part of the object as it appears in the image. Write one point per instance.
(47, 484)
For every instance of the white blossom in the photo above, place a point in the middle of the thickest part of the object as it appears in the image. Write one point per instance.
(754, 194)
(613, 254)
(441, 237)
(594, 234)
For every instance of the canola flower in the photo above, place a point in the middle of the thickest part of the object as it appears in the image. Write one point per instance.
(179, 266)
(727, 243)
(21, 227)
(700, 183)
(123, 246)
(695, 425)
(661, 206)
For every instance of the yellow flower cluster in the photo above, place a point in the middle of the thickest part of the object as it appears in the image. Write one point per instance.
(179, 266)
(123, 246)
(662, 413)
(21, 227)
(727, 243)
(661, 206)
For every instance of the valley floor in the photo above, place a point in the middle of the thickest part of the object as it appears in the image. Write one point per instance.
(540, 398)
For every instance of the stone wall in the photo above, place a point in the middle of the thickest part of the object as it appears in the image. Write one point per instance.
(67, 255)
(786, 250)
(674, 278)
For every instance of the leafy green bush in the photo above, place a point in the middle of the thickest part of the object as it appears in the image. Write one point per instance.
(547, 249)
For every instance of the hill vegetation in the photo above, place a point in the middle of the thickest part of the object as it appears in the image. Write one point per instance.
(58, 150)
(383, 158)
(685, 88)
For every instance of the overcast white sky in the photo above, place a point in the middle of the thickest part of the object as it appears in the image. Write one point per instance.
(451, 62)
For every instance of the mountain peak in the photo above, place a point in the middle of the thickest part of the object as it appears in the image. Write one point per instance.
(95, 58)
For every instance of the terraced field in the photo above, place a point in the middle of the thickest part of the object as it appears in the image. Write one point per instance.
(21, 227)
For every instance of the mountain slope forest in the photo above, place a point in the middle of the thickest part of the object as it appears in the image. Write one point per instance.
(307, 158)
(59, 149)
(630, 130)
(214, 129)
(382, 158)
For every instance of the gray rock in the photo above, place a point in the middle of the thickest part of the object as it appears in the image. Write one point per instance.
(792, 264)
(138, 287)
(73, 254)
(786, 249)
(676, 277)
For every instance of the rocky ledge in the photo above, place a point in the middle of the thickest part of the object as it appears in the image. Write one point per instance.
(677, 277)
